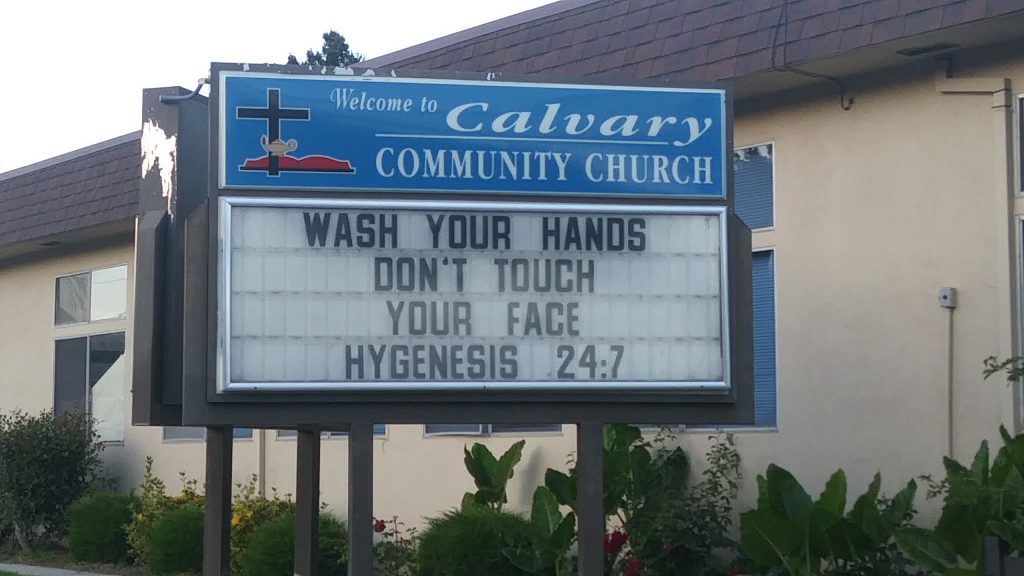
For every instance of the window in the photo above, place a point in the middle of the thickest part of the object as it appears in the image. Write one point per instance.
(488, 429)
(1020, 143)
(763, 269)
(1020, 297)
(754, 185)
(89, 375)
(199, 433)
(184, 433)
(378, 430)
(92, 296)
(89, 371)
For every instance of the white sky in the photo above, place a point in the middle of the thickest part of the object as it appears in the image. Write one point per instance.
(74, 70)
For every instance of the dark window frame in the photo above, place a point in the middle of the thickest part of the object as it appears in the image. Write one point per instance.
(379, 431)
(88, 297)
(1019, 141)
(487, 431)
(86, 369)
(740, 150)
(774, 424)
(247, 434)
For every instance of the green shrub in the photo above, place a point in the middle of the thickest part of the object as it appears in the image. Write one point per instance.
(271, 549)
(151, 508)
(249, 511)
(469, 542)
(681, 529)
(47, 463)
(176, 542)
(394, 552)
(667, 524)
(98, 527)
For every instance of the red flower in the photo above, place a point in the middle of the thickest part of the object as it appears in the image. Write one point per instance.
(614, 542)
(379, 526)
(734, 571)
(666, 548)
(633, 566)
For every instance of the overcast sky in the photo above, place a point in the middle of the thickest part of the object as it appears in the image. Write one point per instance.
(74, 70)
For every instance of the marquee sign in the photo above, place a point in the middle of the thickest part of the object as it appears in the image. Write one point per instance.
(409, 295)
(408, 249)
(333, 251)
(322, 133)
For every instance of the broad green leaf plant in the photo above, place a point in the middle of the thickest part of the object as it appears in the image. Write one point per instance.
(984, 500)
(552, 536)
(491, 475)
(792, 532)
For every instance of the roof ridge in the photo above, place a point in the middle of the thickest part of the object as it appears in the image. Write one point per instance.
(469, 33)
(74, 154)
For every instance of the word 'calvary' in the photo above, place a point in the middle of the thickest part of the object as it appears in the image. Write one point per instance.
(475, 117)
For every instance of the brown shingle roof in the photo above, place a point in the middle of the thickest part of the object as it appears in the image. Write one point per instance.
(94, 186)
(697, 40)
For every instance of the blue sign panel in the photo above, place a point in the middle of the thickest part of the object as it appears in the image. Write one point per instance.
(429, 135)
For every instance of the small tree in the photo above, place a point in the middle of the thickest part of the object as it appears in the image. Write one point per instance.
(335, 52)
(47, 462)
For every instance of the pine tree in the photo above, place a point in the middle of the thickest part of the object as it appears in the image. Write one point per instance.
(335, 52)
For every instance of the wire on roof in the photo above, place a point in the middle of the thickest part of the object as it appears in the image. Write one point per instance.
(783, 24)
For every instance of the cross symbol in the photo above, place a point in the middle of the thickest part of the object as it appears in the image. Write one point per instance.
(273, 114)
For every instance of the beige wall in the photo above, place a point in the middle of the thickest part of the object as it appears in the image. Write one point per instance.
(27, 312)
(876, 209)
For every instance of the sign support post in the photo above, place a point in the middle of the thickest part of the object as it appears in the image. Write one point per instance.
(217, 513)
(307, 502)
(590, 493)
(360, 498)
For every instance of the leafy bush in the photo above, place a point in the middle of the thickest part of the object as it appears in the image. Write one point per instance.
(680, 529)
(176, 542)
(251, 510)
(47, 462)
(271, 549)
(151, 508)
(668, 525)
(469, 542)
(394, 551)
(791, 533)
(98, 527)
